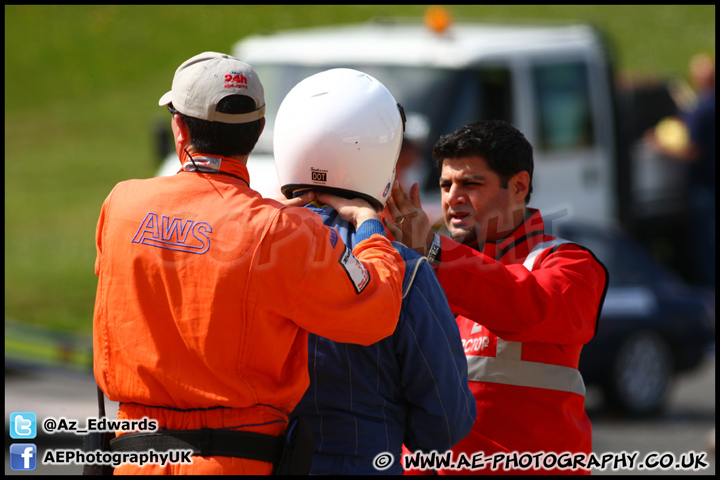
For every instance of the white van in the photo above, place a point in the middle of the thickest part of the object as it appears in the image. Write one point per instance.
(553, 82)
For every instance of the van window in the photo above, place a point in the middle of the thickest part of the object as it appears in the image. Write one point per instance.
(420, 90)
(564, 116)
(482, 94)
(496, 94)
(439, 99)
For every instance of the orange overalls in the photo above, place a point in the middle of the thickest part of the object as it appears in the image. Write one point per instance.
(205, 296)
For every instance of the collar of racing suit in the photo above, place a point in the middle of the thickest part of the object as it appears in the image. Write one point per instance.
(205, 163)
(531, 231)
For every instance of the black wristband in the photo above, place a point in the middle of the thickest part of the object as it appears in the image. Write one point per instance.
(433, 255)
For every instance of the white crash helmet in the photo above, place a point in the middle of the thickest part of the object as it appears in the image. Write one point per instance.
(339, 131)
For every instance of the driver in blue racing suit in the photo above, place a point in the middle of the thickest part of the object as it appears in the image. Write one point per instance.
(341, 131)
(409, 388)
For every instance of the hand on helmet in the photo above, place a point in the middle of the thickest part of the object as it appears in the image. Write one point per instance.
(412, 227)
(300, 201)
(355, 210)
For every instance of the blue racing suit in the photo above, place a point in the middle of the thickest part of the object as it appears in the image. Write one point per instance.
(410, 388)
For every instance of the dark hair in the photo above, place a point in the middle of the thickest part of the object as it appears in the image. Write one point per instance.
(504, 148)
(226, 139)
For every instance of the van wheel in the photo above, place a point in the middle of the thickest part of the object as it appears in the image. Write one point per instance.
(641, 375)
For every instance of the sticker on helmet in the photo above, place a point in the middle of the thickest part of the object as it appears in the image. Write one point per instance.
(318, 175)
(358, 274)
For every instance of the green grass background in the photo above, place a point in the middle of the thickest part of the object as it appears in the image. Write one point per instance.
(81, 91)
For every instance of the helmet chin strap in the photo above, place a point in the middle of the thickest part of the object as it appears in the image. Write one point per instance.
(300, 192)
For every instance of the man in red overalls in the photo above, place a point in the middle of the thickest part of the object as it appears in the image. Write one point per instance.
(526, 302)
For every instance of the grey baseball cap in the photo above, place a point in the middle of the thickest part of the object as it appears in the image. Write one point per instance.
(205, 79)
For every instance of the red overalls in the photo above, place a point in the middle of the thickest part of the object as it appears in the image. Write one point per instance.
(525, 306)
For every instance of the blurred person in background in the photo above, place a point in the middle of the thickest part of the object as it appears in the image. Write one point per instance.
(410, 167)
(690, 138)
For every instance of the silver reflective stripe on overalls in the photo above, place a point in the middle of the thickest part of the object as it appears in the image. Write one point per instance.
(506, 366)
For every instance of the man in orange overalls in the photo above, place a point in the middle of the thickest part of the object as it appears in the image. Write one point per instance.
(207, 291)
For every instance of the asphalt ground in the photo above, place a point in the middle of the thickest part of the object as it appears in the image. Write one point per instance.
(679, 433)
(682, 428)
